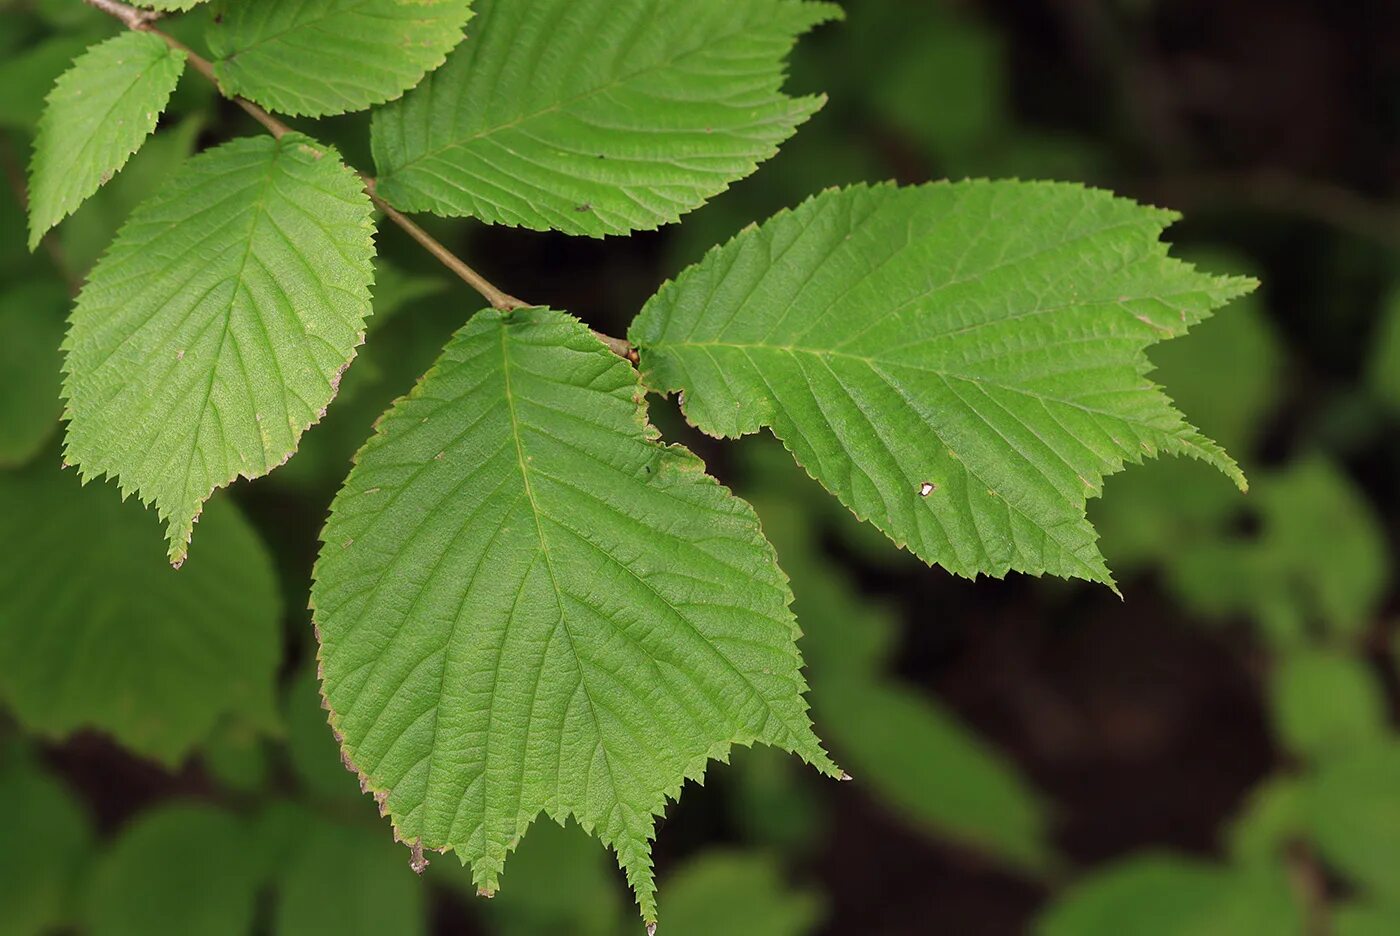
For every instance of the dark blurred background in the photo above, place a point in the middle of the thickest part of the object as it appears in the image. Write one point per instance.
(1024, 749)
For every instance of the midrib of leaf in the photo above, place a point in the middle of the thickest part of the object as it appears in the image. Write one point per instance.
(536, 515)
(258, 211)
(563, 622)
(560, 105)
(926, 294)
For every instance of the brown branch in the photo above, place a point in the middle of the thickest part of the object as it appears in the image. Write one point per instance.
(132, 17)
(1309, 885)
(499, 299)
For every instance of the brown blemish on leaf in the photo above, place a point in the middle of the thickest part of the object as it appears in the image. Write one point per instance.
(417, 860)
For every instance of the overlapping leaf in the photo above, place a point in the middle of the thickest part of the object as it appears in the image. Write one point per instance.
(97, 632)
(596, 116)
(320, 57)
(961, 364)
(98, 114)
(215, 330)
(526, 603)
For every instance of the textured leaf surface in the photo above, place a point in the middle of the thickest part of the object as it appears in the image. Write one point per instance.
(961, 364)
(526, 603)
(97, 632)
(31, 323)
(320, 57)
(596, 116)
(98, 114)
(215, 330)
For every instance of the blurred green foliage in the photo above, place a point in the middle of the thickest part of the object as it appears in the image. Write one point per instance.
(1298, 573)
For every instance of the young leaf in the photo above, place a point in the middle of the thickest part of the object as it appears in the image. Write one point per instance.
(31, 321)
(98, 113)
(321, 57)
(961, 364)
(97, 632)
(215, 330)
(526, 603)
(596, 116)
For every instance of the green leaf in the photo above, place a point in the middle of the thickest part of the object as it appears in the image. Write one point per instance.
(961, 364)
(1320, 557)
(347, 881)
(1163, 895)
(215, 330)
(1229, 374)
(596, 116)
(28, 75)
(1270, 820)
(178, 870)
(319, 57)
(1325, 702)
(97, 632)
(48, 837)
(31, 321)
(99, 112)
(1353, 811)
(90, 231)
(235, 758)
(734, 892)
(526, 603)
